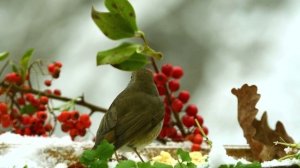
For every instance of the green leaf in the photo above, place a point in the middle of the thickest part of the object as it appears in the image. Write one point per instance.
(98, 164)
(117, 55)
(191, 165)
(25, 62)
(124, 9)
(126, 164)
(28, 109)
(241, 165)
(113, 25)
(183, 155)
(104, 150)
(161, 165)
(180, 165)
(145, 165)
(150, 52)
(87, 157)
(136, 61)
(3, 55)
(26, 58)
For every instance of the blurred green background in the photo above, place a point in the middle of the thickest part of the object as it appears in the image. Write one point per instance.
(220, 45)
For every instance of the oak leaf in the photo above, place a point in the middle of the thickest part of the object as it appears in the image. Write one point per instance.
(258, 133)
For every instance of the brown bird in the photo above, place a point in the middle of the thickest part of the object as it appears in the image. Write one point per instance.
(135, 117)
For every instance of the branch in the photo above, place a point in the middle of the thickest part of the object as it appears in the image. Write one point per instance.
(80, 102)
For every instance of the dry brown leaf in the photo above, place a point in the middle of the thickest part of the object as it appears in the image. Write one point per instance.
(258, 134)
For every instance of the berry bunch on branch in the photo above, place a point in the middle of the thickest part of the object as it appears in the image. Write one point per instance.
(180, 116)
(28, 111)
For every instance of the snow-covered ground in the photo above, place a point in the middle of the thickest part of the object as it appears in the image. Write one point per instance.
(42, 152)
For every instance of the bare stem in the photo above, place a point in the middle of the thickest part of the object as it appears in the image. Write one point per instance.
(80, 102)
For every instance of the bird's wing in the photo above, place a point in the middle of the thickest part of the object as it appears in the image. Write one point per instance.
(137, 115)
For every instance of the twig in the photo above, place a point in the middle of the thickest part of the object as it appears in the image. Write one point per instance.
(80, 102)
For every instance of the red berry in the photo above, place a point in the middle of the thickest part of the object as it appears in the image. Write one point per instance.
(27, 131)
(161, 89)
(167, 118)
(191, 110)
(6, 121)
(65, 127)
(13, 78)
(58, 64)
(160, 78)
(163, 133)
(177, 72)
(56, 73)
(196, 147)
(44, 99)
(167, 69)
(51, 68)
(177, 105)
(198, 139)
(196, 131)
(73, 133)
(42, 107)
(26, 120)
(42, 115)
(64, 116)
(184, 96)
(57, 92)
(188, 121)
(21, 101)
(174, 85)
(85, 120)
(79, 125)
(48, 92)
(84, 117)
(199, 119)
(178, 137)
(48, 82)
(3, 108)
(82, 132)
(205, 130)
(29, 97)
(74, 115)
(171, 132)
(48, 127)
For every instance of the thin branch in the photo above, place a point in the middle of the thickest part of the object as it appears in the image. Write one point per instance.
(80, 102)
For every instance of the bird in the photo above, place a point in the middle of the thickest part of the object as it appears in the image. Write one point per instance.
(135, 117)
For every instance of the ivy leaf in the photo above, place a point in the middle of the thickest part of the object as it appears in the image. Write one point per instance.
(28, 109)
(161, 165)
(191, 165)
(3, 55)
(183, 155)
(124, 9)
(105, 150)
(126, 164)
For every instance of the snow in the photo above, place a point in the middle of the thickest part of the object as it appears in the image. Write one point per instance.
(19, 151)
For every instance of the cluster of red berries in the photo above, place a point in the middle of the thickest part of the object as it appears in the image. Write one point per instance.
(14, 78)
(74, 123)
(54, 71)
(167, 82)
(24, 124)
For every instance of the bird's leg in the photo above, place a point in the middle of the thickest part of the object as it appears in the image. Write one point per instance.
(134, 149)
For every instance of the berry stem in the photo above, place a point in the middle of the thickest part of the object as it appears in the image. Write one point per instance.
(80, 102)
(155, 67)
